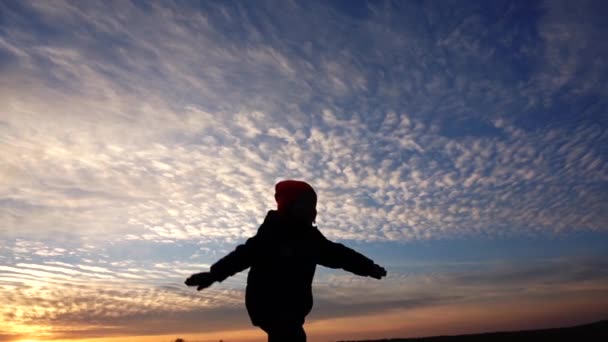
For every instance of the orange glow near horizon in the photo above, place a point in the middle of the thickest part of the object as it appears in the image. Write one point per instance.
(521, 314)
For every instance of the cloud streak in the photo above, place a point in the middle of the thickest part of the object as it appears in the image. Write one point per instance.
(62, 300)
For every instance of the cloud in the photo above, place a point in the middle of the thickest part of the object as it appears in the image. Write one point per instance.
(121, 156)
(567, 38)
(62, 300)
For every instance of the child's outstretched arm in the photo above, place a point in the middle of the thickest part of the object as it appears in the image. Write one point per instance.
(336, 255)
(236, 261)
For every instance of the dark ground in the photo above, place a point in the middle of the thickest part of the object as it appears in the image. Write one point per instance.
(589, 332)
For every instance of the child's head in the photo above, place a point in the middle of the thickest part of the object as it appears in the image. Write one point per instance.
(296, 199)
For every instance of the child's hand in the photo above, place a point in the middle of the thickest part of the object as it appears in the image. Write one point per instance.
(377, 272)
(202, 280)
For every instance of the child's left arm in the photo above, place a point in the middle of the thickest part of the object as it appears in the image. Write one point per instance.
(336, 255)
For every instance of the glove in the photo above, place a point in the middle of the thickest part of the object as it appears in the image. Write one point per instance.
(377, 272)
(202, 280)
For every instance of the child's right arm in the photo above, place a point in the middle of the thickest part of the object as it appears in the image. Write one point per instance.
(236, 261)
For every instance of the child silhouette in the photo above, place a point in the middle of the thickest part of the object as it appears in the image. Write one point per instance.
(282, 258)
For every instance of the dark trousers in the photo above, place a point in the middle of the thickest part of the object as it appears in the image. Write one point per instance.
(285, 332)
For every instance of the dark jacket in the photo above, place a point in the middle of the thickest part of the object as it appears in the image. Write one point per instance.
(283, 257)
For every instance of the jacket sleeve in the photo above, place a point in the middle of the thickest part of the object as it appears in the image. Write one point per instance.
(241, 258)
(336, 255)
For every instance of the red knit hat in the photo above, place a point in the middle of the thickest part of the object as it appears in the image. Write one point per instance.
(288, 191)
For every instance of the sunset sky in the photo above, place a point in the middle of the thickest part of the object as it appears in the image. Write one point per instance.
(463, 145)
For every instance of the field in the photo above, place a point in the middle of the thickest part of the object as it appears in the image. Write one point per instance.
(589, 332)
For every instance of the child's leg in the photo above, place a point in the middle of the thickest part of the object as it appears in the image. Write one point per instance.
(285, 332)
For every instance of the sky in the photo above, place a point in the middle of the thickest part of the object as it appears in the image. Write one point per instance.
(463, 145)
